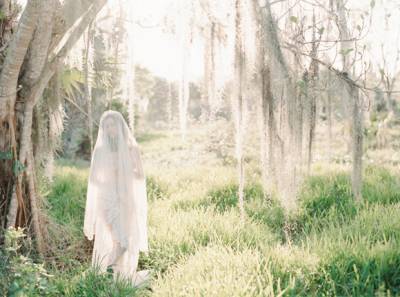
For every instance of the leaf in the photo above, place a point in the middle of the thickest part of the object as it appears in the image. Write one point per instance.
(18, 167)
(301, 84)
(6, 155)
(294, 19)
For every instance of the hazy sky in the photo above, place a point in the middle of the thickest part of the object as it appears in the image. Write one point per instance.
(160, 52)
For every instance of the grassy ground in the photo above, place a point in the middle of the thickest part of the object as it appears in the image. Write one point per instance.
(200, 247)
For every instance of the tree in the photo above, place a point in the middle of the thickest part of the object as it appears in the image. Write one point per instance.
(352, 96)
(185, 41)
(238, 100)
(284, 139)
(42, 40)
(88, 78)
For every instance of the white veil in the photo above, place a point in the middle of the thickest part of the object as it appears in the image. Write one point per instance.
(116, 204)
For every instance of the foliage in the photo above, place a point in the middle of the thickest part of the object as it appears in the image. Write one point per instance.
(155, 190)
(200, 245)
(21, 276)
(144, 82)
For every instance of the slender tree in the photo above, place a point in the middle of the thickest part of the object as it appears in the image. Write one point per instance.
(238, 100)
(266, 102)
(352, 96)
(312, 107)
(88, 78)
(184, 91)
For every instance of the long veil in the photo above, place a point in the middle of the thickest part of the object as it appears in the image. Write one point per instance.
(116, 193)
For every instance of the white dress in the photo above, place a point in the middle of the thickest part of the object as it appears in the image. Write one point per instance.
(116, 205)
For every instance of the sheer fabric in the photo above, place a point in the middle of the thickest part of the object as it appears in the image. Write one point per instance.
(116, 203)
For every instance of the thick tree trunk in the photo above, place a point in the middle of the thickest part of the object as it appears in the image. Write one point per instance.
(30, 45)
(16, 53)
(35, 60)
(9, 135)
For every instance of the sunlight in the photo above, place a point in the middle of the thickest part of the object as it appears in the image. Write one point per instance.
(199, 148)
(153, 47)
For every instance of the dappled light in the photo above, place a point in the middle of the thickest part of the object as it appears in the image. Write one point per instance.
(199, 148)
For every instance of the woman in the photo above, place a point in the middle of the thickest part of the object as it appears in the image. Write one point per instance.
(116, 204)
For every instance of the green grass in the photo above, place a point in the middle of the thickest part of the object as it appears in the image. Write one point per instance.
(149, 137)
(199, 246)
(90, 283)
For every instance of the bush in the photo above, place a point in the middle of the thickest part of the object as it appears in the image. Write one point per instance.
(198, 243)
(177, 235)
(380, 186)
(20, 275)
(325, 199)
(349, 274)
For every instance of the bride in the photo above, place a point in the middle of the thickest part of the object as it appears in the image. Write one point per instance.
(116, 203)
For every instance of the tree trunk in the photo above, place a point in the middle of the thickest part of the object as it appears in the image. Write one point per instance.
(169, 105)
(39, 64)
(11, 67)
(88, 73)
(5, 24)
(286, 141)
(205, 106)
(329, 116)
(184, 94)
(35, 61)
(211, 86)
(357, 141)
(131, 91)
(9, 136)
(354, 108)
(263, 126)
(238, 101)
(266, 105)
(313, 97)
